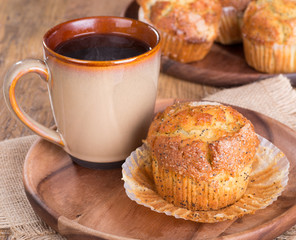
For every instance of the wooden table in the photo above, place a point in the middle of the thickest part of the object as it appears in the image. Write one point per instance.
(22, 26)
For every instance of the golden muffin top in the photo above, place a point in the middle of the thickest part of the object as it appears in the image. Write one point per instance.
(192, 20)
(239, 5)
(270, 22)
(202, 140)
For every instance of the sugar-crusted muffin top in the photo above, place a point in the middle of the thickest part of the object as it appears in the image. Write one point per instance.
(202, 140)
(270, 22)
(194, 21)
(203, 122)
(239, 5)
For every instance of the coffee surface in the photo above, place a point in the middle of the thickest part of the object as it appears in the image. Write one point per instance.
(102, 47)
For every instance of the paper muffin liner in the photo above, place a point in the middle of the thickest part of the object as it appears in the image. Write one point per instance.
(183, 191)
(183, 51)
(273, 58)
(230, 27)
(177, 48)
(268, 179)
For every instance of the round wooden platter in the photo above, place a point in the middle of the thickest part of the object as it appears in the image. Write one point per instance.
(82, 203)
(224, 66)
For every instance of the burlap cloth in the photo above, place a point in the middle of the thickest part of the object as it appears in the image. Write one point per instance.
(273, 97)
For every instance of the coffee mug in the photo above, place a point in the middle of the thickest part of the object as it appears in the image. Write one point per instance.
(102, 105)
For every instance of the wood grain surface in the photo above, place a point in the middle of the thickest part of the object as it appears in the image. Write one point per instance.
(22, 26)
(83, 203)
(224, 66)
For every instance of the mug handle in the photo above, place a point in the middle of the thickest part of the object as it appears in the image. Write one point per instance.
(11, 78)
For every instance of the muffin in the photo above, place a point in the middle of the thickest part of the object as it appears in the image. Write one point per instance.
(231, 20)
(201, 155)
(269, 35)
(188, 27)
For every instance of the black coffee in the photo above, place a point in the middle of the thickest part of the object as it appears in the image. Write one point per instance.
(102, 47)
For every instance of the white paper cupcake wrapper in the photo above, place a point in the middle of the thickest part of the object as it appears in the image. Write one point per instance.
(267, 181)
(176, 47)
(229, 29)
(275, 58)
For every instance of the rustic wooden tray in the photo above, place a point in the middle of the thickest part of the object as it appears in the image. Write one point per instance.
(224, 66)
(82, 203)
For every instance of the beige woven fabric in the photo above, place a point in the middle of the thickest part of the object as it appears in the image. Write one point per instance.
(273, 97)
(14, 206)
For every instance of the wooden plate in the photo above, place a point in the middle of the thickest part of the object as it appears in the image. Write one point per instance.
(82, 203)
(224, 66)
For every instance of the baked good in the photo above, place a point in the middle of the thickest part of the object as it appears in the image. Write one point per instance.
(231, 20)
(269, 35)
(188, 27)
(201, 155)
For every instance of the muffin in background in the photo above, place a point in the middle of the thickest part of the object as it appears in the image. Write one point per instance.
(231, 21)
(201, 155)
(188, 27)
(269, 35)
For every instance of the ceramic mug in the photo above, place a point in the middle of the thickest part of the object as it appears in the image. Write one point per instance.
(102, 109)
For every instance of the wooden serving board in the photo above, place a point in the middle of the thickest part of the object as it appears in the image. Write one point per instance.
(224, 66)
(81, 203)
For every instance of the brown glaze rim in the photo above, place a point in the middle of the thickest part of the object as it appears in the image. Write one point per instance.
(56, 28)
